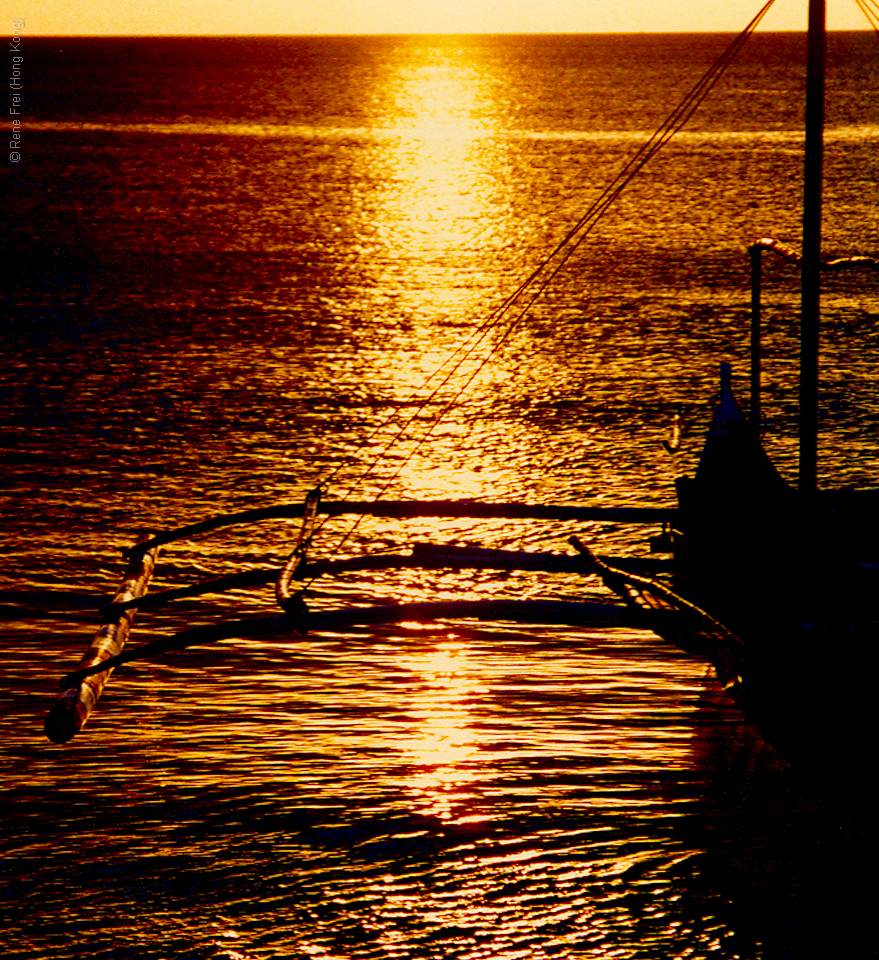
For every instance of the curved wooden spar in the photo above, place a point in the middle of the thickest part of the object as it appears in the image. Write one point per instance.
(77, 701)
(409, 509)
(573, 613)
(423, 557)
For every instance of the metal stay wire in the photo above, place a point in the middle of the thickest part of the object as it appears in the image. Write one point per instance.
(533, 286)
(559, 256)
(565, 247)
(870, 9)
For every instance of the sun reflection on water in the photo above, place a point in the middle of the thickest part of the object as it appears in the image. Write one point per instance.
(442, 190)
(448, 481)
(443, 750)
(435, 185)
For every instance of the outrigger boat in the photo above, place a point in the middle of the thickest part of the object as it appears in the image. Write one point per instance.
(774, 585)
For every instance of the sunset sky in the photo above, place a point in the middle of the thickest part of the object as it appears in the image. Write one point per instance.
(170, 17)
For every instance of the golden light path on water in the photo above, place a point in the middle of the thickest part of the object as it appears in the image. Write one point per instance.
(405, 790)
(443, 748)
(439, 208)
(440, 191)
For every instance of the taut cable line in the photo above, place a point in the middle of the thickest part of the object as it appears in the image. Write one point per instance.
(523, 298)
(503, 321)
(870, 9)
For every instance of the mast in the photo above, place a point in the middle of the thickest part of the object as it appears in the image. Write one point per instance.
(811, 263)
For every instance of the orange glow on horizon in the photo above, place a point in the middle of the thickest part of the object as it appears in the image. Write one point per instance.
(356, 17)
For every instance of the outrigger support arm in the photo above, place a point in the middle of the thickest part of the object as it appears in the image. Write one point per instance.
(408, 509)
(82, 688)
(554, 612)
(424, 556)
(292, 603)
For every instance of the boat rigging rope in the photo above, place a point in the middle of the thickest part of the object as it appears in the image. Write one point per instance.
(870, 9)
(507, 317)
(501, 323)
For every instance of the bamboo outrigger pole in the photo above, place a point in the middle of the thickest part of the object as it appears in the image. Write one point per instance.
(75, 704)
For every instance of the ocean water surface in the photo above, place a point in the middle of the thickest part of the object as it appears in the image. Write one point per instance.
(235, 267)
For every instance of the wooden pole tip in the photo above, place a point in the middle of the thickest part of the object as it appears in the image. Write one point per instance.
(65, 719)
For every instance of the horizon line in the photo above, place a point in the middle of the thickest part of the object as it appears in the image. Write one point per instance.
(403, 33)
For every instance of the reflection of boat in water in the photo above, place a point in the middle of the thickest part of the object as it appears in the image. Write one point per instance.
(771, 583)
